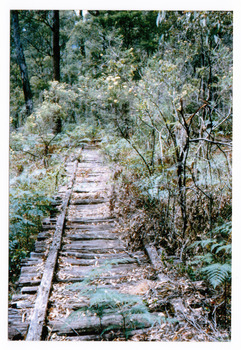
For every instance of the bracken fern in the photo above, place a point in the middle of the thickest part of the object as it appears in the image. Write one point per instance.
(215, 260)
(217, 273)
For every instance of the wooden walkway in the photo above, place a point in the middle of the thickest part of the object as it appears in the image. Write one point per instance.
(82, 282)
(79, 255)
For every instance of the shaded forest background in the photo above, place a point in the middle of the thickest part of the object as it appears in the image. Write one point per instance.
(156, 88)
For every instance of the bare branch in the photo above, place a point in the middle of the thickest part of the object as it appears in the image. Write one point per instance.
(134, 147)
(216, 126)
(189, 120)
(229, 144)
(193, 179)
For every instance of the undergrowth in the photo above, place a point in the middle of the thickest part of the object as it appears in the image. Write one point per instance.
(148, 207)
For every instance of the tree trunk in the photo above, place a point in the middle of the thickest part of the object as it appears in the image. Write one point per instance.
(56, 63)
(56, 47)
(182, 194)
(22, 64)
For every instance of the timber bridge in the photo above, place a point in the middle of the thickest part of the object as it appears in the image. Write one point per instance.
(82, 282)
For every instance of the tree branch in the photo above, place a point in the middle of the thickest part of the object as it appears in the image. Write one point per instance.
(189, 120)
(134, 147)
(193, 179)
(211, 141)
(32, 154)
(222, 121)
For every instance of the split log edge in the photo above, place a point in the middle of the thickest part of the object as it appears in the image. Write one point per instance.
(40, 309)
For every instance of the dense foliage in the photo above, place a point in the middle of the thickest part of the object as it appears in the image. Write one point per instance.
(157, 87)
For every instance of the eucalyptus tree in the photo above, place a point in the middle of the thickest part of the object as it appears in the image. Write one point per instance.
(43, 38)
(22, 63)
(181, 117)
(56, 47)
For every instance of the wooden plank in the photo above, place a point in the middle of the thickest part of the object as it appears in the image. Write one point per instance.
(108, 336)
(29, 290)
(37, 255)
(95, 244)
(90, 226)
(29, 280)
(87, 220)
(107, 279)
(91, 325)
(17, 297)
(109, 255)
(155, 260)
(91, 190)
(93, 250)
(82, 272)
(41, 303)
(90, 201)
(40, 246)
(90, 236)
(43, 236)
(87, 262)
(22, 304)
(31, 261)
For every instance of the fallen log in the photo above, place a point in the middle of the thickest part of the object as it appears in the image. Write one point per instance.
(94, 325)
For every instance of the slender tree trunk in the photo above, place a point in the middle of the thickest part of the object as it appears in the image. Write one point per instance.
(182, 194)
(56, 47)
(22, 64)
(56, 64)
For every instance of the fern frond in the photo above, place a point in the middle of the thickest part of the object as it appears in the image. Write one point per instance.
(227, 248)
(214, 246)
(203, 243)
(217, 273)
(226, 229)
(206, 258)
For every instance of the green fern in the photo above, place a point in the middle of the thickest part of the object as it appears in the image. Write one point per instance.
(104, 301)
(227, 248)
(214, 263)
(224, 230)
(217, 273)
(204, 243)
(217, 247)
(200, 259)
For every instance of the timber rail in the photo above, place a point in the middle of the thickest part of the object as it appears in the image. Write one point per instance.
(72, 245)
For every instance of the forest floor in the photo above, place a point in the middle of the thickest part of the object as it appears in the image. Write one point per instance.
(104, 291)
